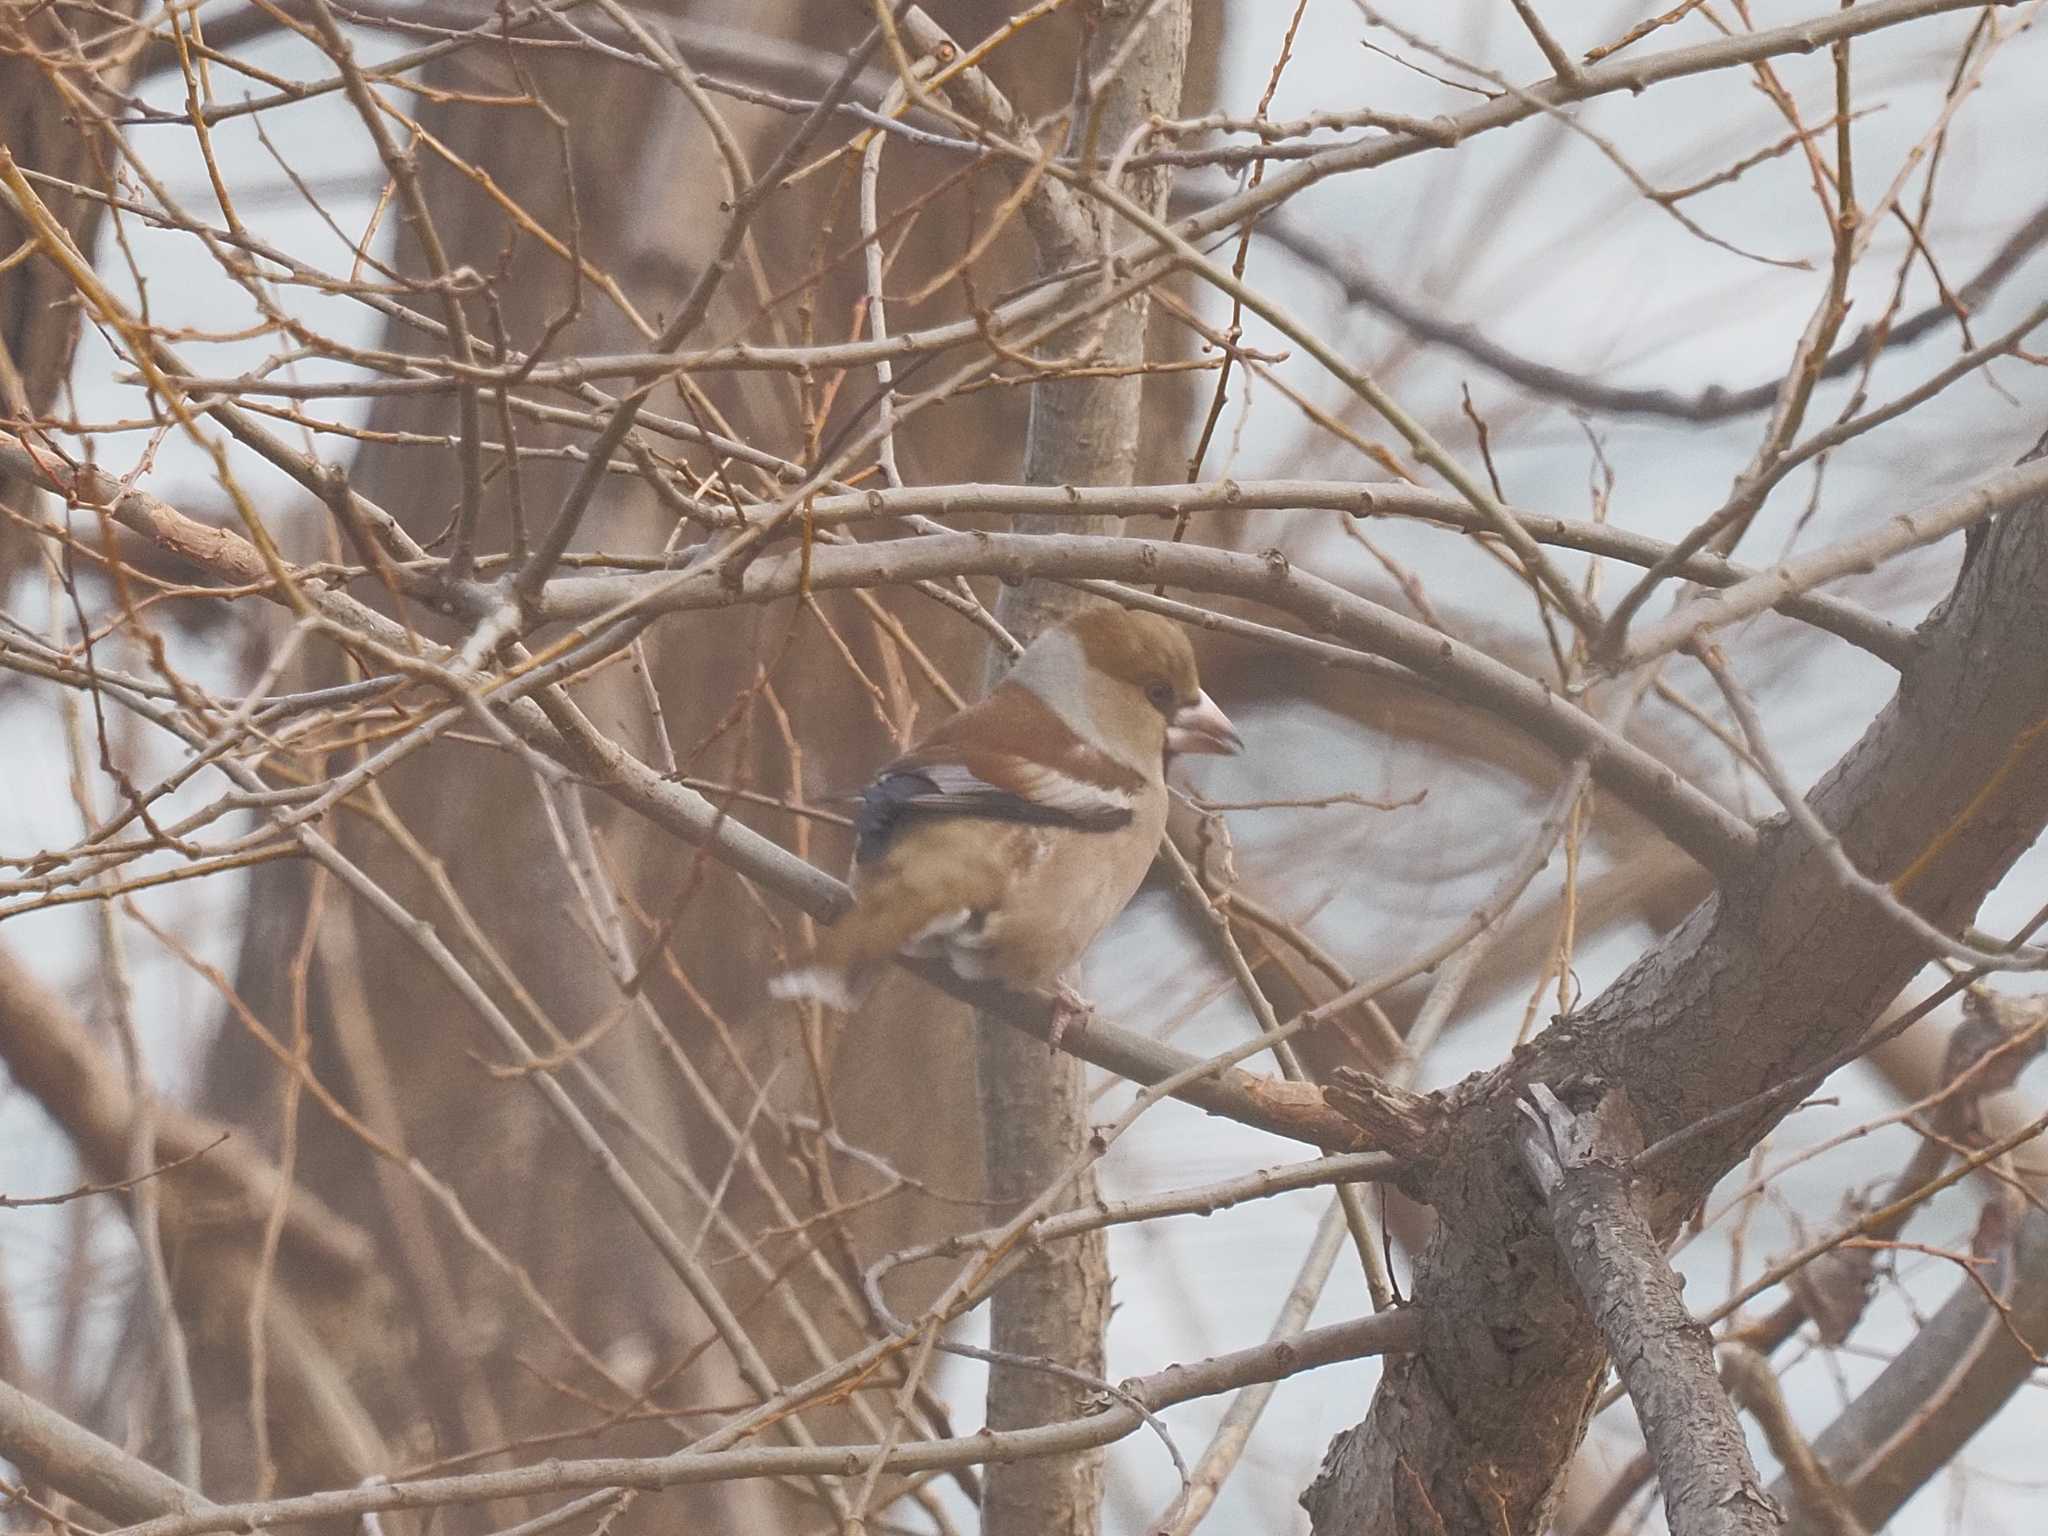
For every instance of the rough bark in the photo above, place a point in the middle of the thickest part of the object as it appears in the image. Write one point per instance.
(1666, 1358)
(1775, 973)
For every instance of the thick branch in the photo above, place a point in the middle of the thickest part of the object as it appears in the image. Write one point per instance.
(1782, 969)
(1719, 840)
(1753, 1384)
(1717, 402)
(1892, 536)
(228, 556)
(1580, 1166)
(48, 1447)
(1068, 503)
(327, 1315)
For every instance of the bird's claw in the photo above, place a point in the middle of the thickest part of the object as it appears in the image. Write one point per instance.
(1070, 1010)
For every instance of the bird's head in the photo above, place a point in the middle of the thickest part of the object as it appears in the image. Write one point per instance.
(1128, 680)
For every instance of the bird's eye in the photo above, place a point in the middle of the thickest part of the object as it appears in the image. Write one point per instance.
(1162, 697)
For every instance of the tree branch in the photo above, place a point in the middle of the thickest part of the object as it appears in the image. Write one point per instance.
(1272, 1361)
(1298, 1111)
(1984, 1345)
(1718, 839)
(1894, 535)
(80, 1465)
(1579, 1164)
(328, 1323)
(1714, 403)
(1752, 1383)
(1779, 971)
(1034, 1106)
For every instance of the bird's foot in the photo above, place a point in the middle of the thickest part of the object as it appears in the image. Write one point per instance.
(1070, 1010)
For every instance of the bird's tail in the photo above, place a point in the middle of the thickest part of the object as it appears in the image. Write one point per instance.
(834, 987)
(893, 916)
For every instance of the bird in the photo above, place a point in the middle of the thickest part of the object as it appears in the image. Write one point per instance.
(1006, 841)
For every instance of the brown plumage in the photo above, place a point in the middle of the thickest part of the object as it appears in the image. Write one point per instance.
(1010, 837)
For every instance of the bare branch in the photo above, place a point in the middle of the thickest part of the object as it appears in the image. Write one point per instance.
(1751, 1383)
(1984, 1344)
(79, 1464)
(1579, 1163)
(1933, 799)
(1711, 835)
(1294, 1110)
(1273, 1361)
(1900, 531)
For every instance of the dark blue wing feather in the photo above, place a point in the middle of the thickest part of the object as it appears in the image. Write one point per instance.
(901, 793)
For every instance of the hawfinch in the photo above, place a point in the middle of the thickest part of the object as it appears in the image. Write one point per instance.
(1008, 839)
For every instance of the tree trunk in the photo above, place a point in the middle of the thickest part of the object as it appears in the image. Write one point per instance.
(1034, 1106)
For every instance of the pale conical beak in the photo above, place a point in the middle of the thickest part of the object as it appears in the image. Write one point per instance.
(1202, 727)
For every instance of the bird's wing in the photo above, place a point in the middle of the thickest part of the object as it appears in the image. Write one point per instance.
(1009, 758)
(989, 785)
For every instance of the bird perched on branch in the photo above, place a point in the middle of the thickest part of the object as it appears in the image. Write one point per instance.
(1007, 840)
